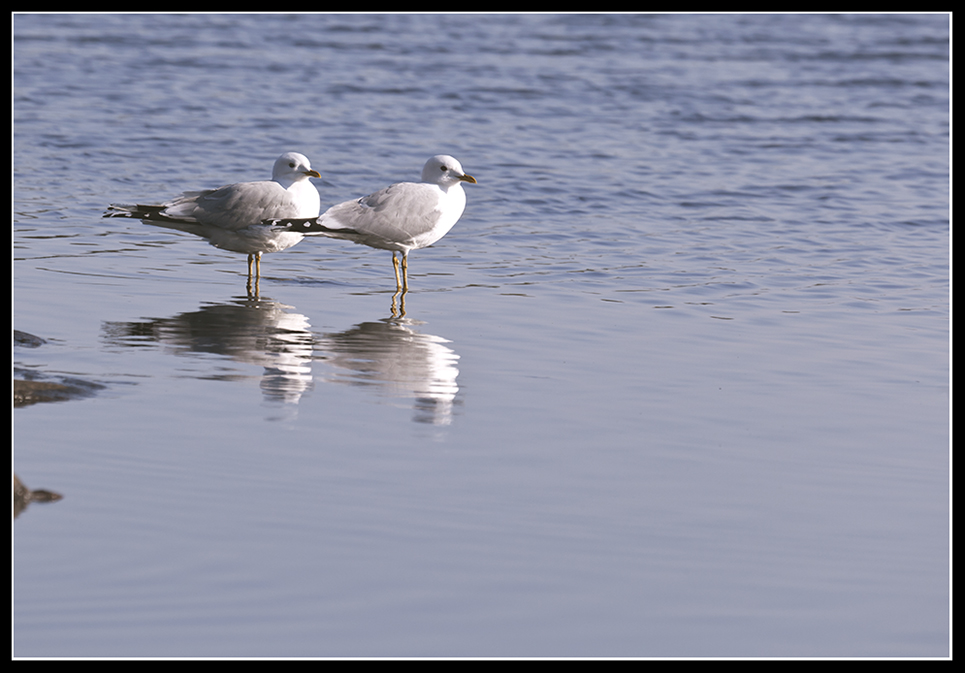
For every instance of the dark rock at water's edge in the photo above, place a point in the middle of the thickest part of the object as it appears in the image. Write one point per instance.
(29, 390)
(23, 496)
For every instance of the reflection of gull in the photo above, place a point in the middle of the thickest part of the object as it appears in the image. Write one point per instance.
(254, 331)
(402, 217)
(230, 217)
(400, 361)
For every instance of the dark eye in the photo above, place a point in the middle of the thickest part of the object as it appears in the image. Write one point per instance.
(291, 164)
(443, 168)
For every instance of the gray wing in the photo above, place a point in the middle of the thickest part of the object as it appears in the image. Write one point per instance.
(232, 207)
(392, 216)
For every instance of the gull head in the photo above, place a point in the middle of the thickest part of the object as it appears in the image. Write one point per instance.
(292, 167)
(444, 171)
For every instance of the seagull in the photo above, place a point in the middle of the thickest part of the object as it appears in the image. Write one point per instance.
(231, 217)
(402, 217)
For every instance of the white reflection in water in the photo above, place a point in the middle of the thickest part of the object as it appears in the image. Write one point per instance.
(400, 362)
(389, 356)
(251, 330)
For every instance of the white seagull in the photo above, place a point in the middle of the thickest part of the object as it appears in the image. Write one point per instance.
(232, 217)
(402, 217)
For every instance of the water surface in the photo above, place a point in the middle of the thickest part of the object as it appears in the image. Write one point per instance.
(677, 384)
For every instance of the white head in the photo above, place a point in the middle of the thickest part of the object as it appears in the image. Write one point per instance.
(292, 167)
(444, 171)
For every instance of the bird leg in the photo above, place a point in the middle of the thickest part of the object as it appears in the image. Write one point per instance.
(395, 266)
(256, 258)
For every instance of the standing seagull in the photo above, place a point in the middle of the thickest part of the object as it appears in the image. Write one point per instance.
(231, 217)
(402, 217)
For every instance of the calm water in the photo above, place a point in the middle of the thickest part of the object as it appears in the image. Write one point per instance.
(677, 384)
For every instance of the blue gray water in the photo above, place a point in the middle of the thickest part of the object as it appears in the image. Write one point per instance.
(677, 384)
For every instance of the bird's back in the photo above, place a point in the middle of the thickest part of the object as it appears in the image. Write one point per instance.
(242, 205)
(404, 216)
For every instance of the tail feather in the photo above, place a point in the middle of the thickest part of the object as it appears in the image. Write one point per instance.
(131, 210)
(140, 212)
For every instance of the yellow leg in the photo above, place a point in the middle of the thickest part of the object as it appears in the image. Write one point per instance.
(401, 285)
(256, 258)
(395, 267)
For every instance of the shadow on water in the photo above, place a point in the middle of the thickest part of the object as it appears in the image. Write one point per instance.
(389, 356)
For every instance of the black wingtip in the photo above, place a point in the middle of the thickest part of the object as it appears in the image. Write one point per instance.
(310, 226)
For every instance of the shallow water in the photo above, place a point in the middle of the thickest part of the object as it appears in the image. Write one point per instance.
(677, 384)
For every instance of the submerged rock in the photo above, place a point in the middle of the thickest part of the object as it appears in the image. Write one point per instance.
(23, 496)
(28, 390)
(28, 340)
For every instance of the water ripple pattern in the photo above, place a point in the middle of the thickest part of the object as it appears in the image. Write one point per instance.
(676, 383)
